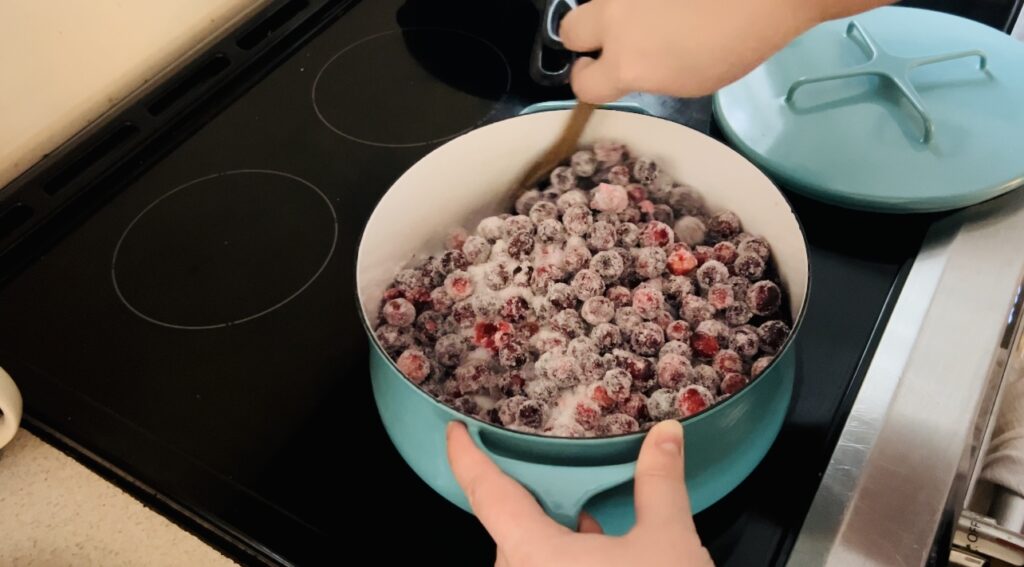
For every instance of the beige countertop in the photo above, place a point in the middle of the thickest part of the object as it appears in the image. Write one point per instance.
(63, 65)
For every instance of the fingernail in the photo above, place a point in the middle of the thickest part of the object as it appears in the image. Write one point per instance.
(671, 437)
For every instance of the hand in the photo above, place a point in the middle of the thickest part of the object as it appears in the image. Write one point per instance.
(684, 48)
(664, 534)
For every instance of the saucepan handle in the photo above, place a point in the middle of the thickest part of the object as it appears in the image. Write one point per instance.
(562, 490)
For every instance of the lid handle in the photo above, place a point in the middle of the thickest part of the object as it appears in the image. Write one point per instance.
(890, 67)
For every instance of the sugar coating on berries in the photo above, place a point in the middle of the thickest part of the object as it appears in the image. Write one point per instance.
(606, 336)
(583, 163)
(695, 310)
(711, 273)
(693, 399)
(755, 245)
(649, 262)
(526, 201)
(744, 341)
(597, 310)
(737, 314)
(673, 371)
(413, 363)
(685, 200)
(618, 424)
(690, 230)
(661, 404)
(648, 302)
(748, 266)
(607, 197)
(564, 371)
(520, 245)
(664, 215)
(497, 275)
(619, 295)
(517, 224)
(587, 413)
(627, 234)
(452, 260)
(772, 335)
(676, 347)
(681, 262)
(463, 314)
(764, 298)
(429, 326)
(627, 319)
(476, 249)
(609, 152)
(720, 296)
(676, 288)
(399, 312)
(647, 339)
(513, 354)
(618, 175)
(562, 295)
(704, 345)
(448, 349)
(607, 264)
(726, 361)
(541, 389)
(678, 331)
(394, 339)
(759, 365)
(645, 170)
(724, 252)
(587, 283)
(550, 231)
(601, 236)
(577, 220)
(569, 322)
(491, 228)
(725, 225)
(656, 233)
(635, 406)
(486, 306)
(508, 408)
(715, 328)
(575, 257)
(706, 376)
(636, 192)
(562, 178)
(572, 198)
(581, 346)
(732, 382)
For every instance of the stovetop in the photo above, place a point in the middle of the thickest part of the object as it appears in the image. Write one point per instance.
(196, 337)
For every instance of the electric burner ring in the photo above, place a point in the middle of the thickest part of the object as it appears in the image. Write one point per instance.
(320, 114)
(279, 304)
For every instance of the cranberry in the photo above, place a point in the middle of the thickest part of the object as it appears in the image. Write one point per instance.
(727, 361)
(676, 288)
(520, 245)
(601, 236)
(690, 230)
(681, 262)
(673, 371)
(414, 365)
(429, 325)
(678, 331)
(465, 405)
(508, 408)
(576, 257)
(662, 405)
(618, 175)
(649, 262)
(531, 413)
(393, 293)
(476, 249)
(685, 200)
(455, 238)
(647, 301)
(515, 309)
(409, 278)
(715, 328)
(739, 285)
(733, 382)
(541, 389)
(486, 306)
(663, 214)
(706, 376)
(572, 198)
(498, 275)
(542, 211)
(562, 178)
(618, 424)
(449, 349)
(394, 339)
(635, 406)
(453, 260)
(491, 335)
(710, 273)
(636, 192)
(619, 296)
(627, 234)
(744, 341)
(583, 163)
(607, 264)
(517, 224)
(587, 283)
(588, 414)
(562, 296)
(606, 336)
(694, 399)
(755, 245)
(491, 228)
(704, 345)
(645, 170)
(749, 266)
(647, 339)
(759, 365)
(526, 201)
(472, 377)
(600, 396)
(577, 220)
(550, 231)
(724, 252)
(597, 310)
(608, 152)
(676, 347)
(568, 321)
(738, 314)
(720, 296)
(656, 233)
(695, 309)
(564, 371)
(772, 334)
(764, 297)
(724, 225)
(399, 312)
(513, 354)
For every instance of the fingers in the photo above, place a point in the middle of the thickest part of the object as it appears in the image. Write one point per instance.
(660, 493)
(594, 81)
(588, 525)
(581, 28)
(507, 510)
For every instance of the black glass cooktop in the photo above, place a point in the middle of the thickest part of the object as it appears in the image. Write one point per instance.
(196, 338)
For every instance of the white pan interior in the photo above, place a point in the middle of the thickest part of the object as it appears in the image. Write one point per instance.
(459, 183)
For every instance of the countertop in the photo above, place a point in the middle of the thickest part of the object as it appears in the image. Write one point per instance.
(62, 67)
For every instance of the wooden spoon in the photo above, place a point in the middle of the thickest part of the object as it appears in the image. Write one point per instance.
(560, 151)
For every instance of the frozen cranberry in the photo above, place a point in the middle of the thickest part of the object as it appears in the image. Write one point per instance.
(664, 318)
(640, 369)
(472, 377)
(607, 218)
(744, 341)
(609, 197)
(583, 163)
(694, 399)
(577, 220)
(518, 224)
(453, 260)
(498, 275)
(465, 405)
(491, 228)
(476, 249)
(588, 414)
(520, 245)
(711, 273)
(627, 234)
(606, 336)
(515, 309)
(619, 295)
(647, 301)
(645, 170)
(618, 424)
(463, 314)
(543, 276)
(508, 408)
(661, 405)
(764, 297)
(676, 288)
(580, 346)
(629, 214)
(587, 283)
(562, 178)
(618, 175)
(601, 236)
(576, 258)
(681, 262)
(772, 334)
(541, 389)
(732, 382)
(676, 347)
(513, 354)
(720, 296)
(749, 266)
(635, 406)
(649, 262)
(542, 211)
(759, 365)
(724, 252)
(656, 233)
(706, 376)
(455, 238)
(393, 293)
(550, 231)
(647, 339)
(409, 278)
(429, 325)
(715, 328)
(727, 361)
(531, 413)
(664, 215)
(678, 331)
(564, 371)
(572, 198)
(724, 225)
(592, 367)
(739, 285)
(486, 306)
(673, 371)
(608, 152)
(562, 296)
(568, 321)
(492, 335)
(704, 345)
(414, 364)
(607, 264)
(627, 319)
(755, 245)
(399, 312)
(597, 310)
(737, 314)
(526, 201)
(690, 230)
(695, 309)
(394, 339)
(685, 200)
(449, 349)
(636, 192)
(617, 382)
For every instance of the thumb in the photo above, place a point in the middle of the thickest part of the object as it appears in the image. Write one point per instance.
(660, 493)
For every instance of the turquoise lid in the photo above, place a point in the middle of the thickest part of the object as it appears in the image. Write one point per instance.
(896, 110)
